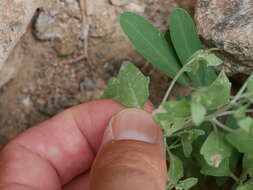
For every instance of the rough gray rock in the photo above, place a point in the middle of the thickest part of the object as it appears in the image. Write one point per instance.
(228, 25)
(15, 15)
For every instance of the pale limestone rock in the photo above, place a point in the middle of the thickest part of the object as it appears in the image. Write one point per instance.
(15, 16)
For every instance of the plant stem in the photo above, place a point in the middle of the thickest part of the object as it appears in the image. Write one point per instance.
(232, 112)
(234, 177)
(238, 95)
(175, 146)
(221, 125)
(175, 80)
(212, 49)
(167, 94)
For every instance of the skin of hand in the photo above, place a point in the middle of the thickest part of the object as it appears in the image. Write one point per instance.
(93, 146)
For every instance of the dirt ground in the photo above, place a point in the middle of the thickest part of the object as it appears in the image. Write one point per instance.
(50, 80)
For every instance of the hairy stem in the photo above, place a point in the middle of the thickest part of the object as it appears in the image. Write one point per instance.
(167, 94)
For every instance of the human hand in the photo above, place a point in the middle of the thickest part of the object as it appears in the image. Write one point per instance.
(58, 153)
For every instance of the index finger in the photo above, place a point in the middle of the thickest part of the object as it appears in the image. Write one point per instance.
(59, 149)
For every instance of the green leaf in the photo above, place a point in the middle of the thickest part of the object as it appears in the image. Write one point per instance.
(130, 87)
(176, 170)
(222, 170)
(187, 184)
(186, 42)
(231, 122)
(250, 85)
(171, 116)
(241, 141)
(240, 113)
(198, 112)
(248, 163)
(210, 75)
(212, 60)
(188, 138)
(234, 159)
(245, 187)
(216, 149)
(178, 108)
(112, 88)
(203, 57)
(151, 44)
(246, 124)
(216, 95)
(249, 91)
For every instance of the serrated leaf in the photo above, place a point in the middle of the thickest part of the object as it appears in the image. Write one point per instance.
(130, 87)
(188, 138)
(198, 112)
(171, 116)
(245, 187)
(216, 95)
(241, 142)
(215, 149)
(151, 44)
(221, 171)
(248, 163)
(186, 42)
(176, 170)
(169, 125)
(187, 184)
(178, 108)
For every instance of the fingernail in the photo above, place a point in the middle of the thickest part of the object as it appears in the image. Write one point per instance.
(134, 124)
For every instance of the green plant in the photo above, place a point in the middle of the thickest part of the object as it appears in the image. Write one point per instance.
(207, 132)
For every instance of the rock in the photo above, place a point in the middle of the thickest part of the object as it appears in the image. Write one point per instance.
(228, 25)
(58, 22)
(65, 48)
(7, 72)
(119, 2)
(73, 5)
(15, 16)
(45, 27)
(135, 8)
(84, 32)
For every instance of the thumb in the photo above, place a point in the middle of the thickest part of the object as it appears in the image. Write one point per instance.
(132, 154)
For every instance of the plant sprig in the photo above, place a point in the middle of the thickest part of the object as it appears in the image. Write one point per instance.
(210, 128)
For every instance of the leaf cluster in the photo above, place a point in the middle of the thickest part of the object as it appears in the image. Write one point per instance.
(207, 132)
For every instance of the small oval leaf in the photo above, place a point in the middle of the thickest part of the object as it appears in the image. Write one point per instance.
(186, 42)
(151, 44)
